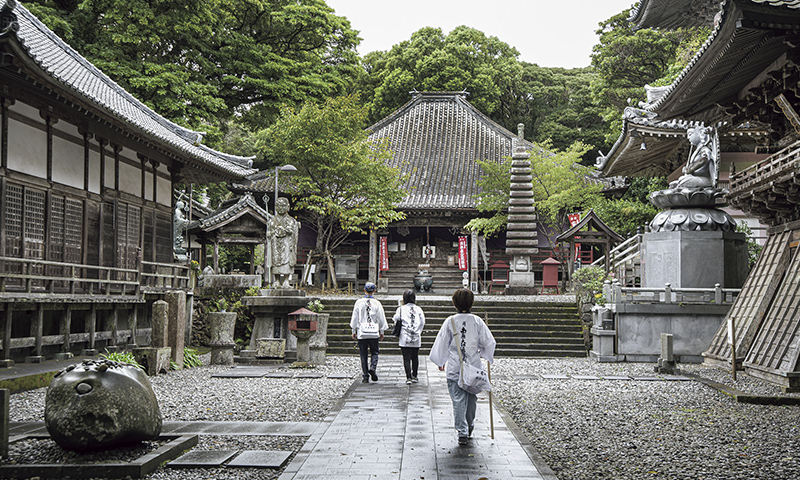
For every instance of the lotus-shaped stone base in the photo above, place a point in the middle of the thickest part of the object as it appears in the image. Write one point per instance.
(689, 209)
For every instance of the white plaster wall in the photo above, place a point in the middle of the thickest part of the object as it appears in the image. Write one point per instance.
(108, 181)
(164, 186)
(68, 157)
(27, 146)
(148, 184)
(130, 176)
(94, 169)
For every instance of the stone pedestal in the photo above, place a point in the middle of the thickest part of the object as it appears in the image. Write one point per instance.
(271, 310)
(303, 349)
(603, 335)
(155, 360)
(220, 328)
(318, 343)
(694, 259)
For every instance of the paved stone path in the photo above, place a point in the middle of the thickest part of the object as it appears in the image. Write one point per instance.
(387, 430)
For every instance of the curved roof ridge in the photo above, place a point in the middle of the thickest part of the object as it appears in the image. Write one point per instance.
(62, 63)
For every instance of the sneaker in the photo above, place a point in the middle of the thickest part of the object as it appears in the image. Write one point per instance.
(365, 380)
(408, 382)
(463, 440)
(373, 375)
(414, 380)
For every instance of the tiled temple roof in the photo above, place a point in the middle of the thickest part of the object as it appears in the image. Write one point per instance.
(245, 204)
(745, 42)
(74, 73)
(673, 14)
(436, 139)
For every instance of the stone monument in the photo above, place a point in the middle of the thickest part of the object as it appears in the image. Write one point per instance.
(521, 234)
(100, 404)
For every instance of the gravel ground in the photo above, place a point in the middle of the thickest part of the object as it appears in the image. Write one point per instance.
(623, 429)
(583, 429)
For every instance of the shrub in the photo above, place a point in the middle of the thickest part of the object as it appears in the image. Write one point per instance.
(122, 357)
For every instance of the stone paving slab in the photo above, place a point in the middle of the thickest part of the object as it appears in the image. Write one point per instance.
(390, 430)
(202, 459)
(555, 377)
(260, 459)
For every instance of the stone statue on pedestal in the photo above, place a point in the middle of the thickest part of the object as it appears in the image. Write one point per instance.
(283, 231)
(179, 223)
(690, 203)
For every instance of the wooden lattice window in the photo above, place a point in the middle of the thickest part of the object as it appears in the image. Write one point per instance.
(34, 223)
(13, 220)
(73, 231)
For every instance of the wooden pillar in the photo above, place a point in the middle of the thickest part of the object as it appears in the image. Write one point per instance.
(216, 257)
(252, 259)
(4, 104)
(8, 315)
(133, 323)
(36, 332)
(114, 321)
(91, 329)
(473, 258)
(373, 256)
(66, 327)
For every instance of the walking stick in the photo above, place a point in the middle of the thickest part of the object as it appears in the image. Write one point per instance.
(489, 374)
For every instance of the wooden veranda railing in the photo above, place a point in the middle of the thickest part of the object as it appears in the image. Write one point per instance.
(42, 277)
(24, 275)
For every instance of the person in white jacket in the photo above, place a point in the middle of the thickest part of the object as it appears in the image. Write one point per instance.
(475, 341)
(368, 323)
(413, 319)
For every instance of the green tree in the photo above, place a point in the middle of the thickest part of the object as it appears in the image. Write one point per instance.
(627, 59)
(492, 201)
(464, 60)
(561, 186)
(634, 210)
(558, 105)
(194, 61)
(342, 184)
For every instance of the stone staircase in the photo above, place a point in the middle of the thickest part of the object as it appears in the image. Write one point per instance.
(522, 329)
(445, 279)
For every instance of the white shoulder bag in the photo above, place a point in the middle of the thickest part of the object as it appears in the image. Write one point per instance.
(472, 379)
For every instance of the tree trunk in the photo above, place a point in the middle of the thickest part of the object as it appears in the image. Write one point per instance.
(331, 269)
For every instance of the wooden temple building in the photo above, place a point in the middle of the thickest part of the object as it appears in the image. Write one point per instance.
(87, 216)
(743, 81)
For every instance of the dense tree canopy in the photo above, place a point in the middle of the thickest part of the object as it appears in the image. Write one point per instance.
(625, 60)
(197, 61)
(463, 60)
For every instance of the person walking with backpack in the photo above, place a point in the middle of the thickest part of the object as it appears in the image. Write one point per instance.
(413, 321)
(464, 337)
(368, 323)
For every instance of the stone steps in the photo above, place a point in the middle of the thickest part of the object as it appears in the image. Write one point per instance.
(525, 329)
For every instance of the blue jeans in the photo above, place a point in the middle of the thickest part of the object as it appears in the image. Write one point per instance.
(464, 406)
(370, 344)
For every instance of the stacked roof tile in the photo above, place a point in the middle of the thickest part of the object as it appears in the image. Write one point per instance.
(76, 74)
(437, 138)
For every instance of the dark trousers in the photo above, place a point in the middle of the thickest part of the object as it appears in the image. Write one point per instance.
(371, 345)
(410, 361)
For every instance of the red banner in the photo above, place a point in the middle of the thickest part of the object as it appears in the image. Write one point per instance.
(462, 253)
(574, 219)
(384, 254)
